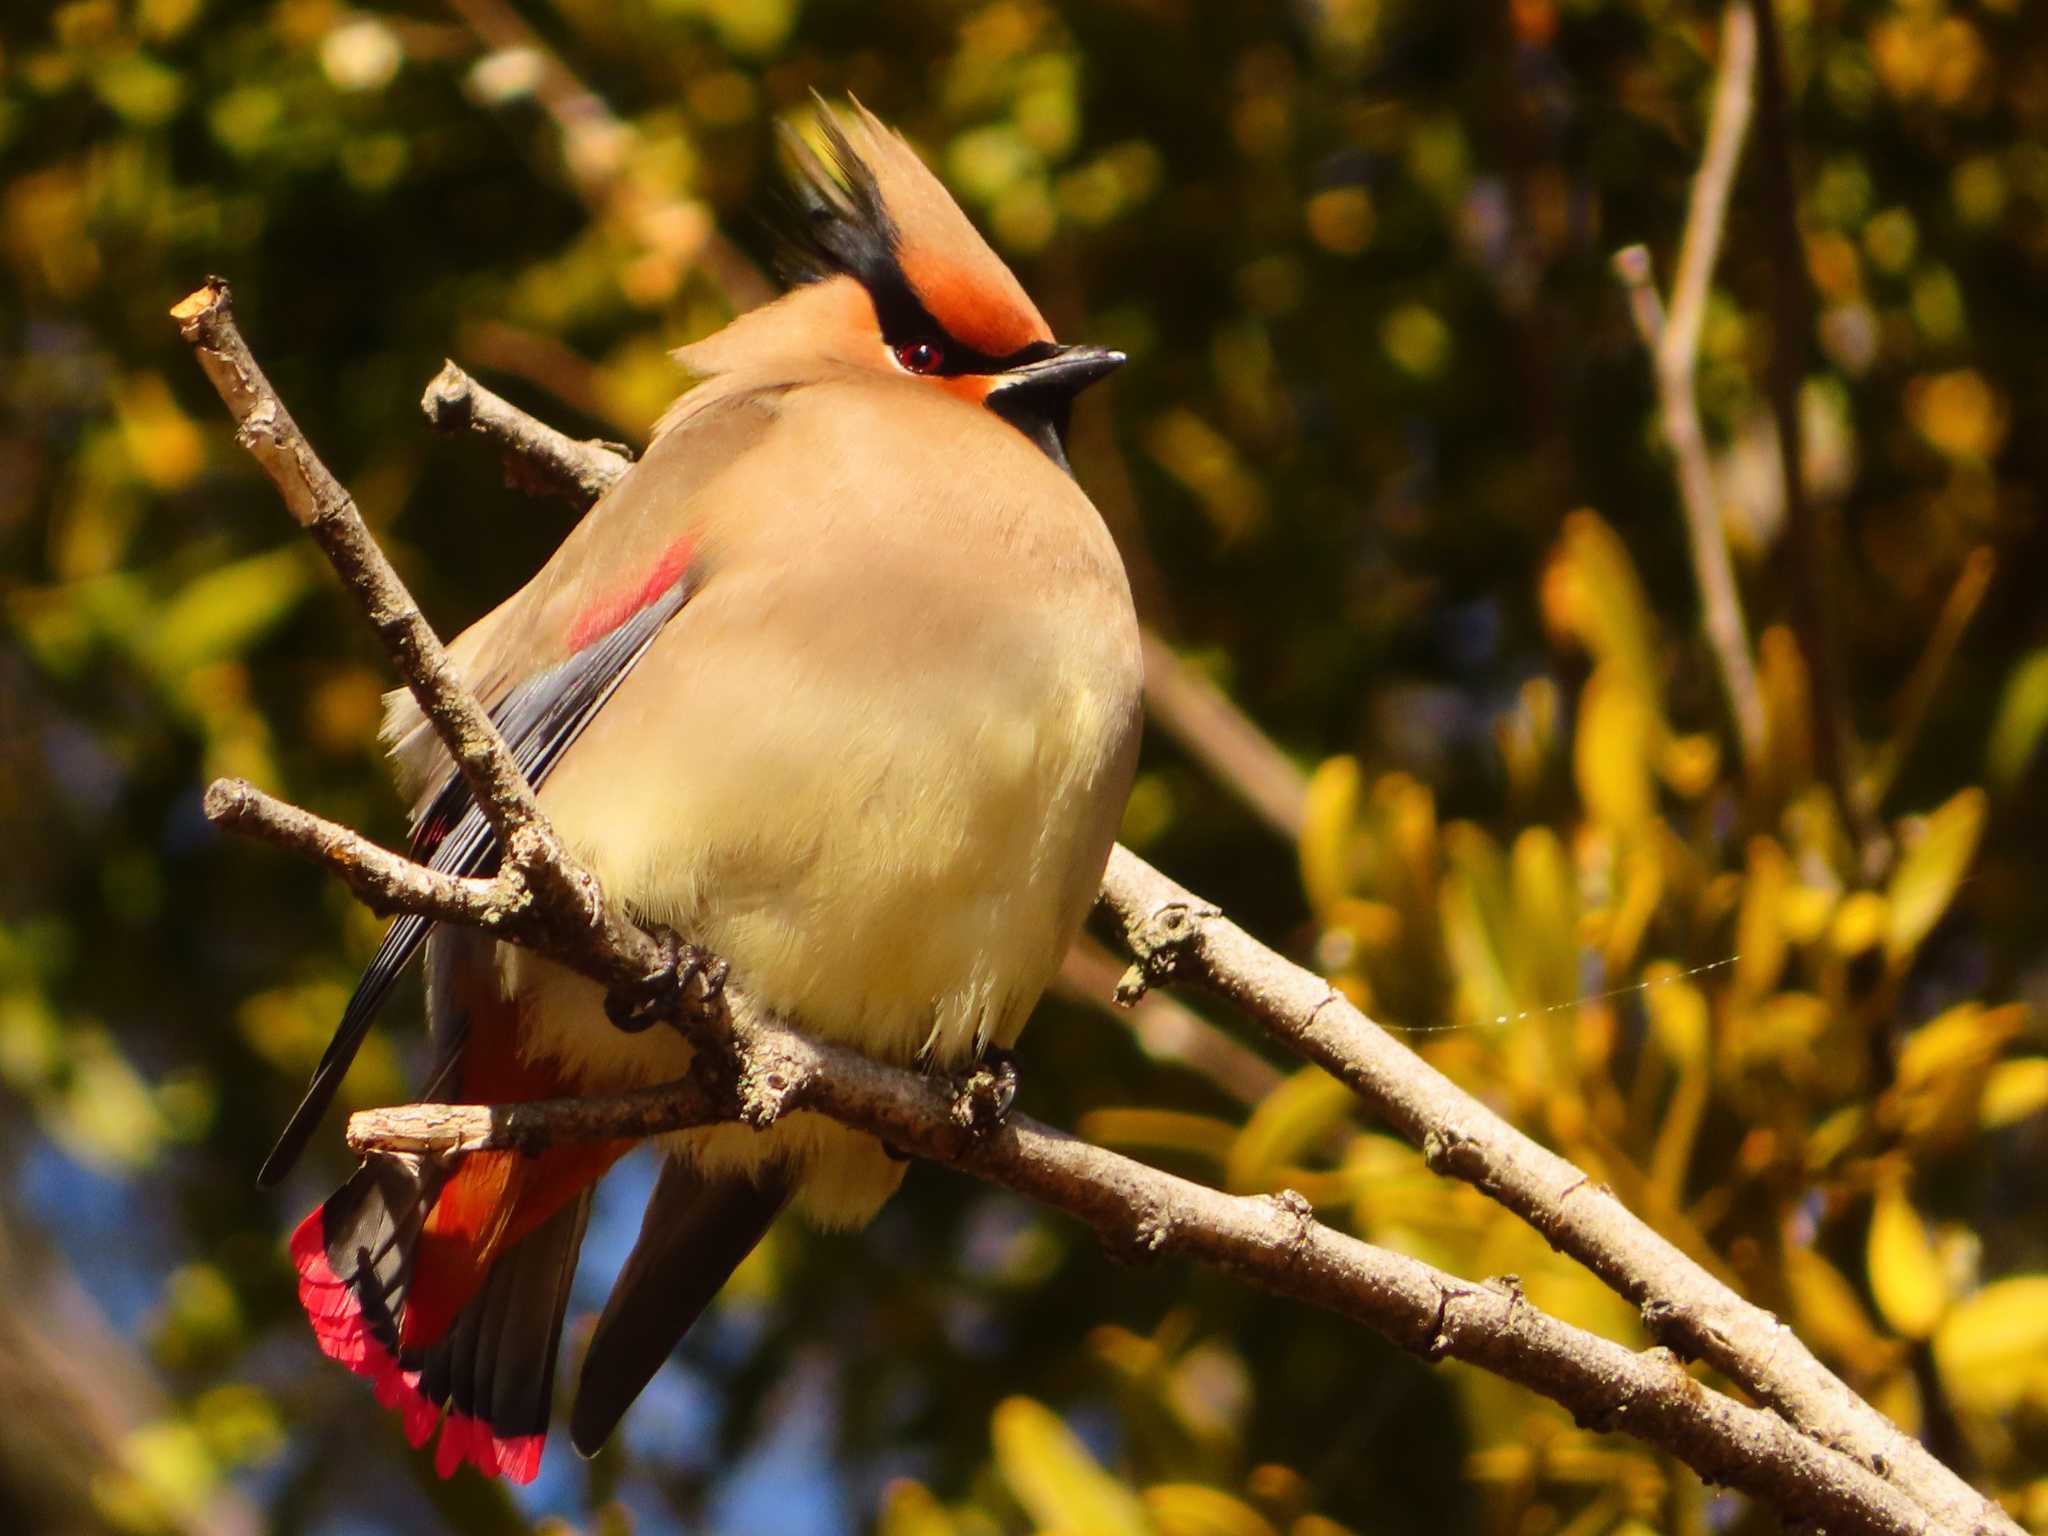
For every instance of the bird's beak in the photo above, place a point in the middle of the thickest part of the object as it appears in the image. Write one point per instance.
(1036, 398)
(1057, 378)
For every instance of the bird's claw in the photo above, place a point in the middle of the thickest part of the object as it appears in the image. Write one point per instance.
(982, 1096)
(665, 996)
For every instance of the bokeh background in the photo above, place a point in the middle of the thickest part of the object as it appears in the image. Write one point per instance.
(1386, 470)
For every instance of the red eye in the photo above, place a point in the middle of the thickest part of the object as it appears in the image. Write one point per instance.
(920, 356)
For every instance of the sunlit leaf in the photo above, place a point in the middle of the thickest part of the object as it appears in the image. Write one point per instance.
(1329, 831)
(911, 1509)
(1613, 750)
(1678, 1014)
(1828, 1313)
(1933, 867)
(1051, 1474)
(1759, 925)
(2022, 717)
(221, 613)
(1288, 1123)
(2014, 1091)
(1942, 1069)
(1160, 1130)
(1905, 1274)
(1475, 916)
(1608, 610)
(1992, 1348)
(1191, 1509)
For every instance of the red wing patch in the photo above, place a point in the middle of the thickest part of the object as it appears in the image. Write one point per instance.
(608, 613)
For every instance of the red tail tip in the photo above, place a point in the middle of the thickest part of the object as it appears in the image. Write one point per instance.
(337, 1318)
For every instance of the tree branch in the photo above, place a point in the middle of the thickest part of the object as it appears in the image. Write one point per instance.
(756, 1069)
(538, 459)
(571, 918)
(1673, 343)
(1178, 936)
(1272, 1241)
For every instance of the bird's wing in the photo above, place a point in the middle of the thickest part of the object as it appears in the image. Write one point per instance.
(572, 636)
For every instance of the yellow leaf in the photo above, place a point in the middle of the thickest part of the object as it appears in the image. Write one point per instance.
(1546, 918)
(1829, 1313)
(1288, 1122)
(165, 446)
(1905, 1275)
(1473, 905)
(1805, 911)
(2022, 718)
(2014, 1091)
(1052, 1475)
(1608, 609)
(219, 615)
(1613, 749)
(1640, 890)
(1329, 831)
(1992, 1348)
(1191, 1509)
(1942, 1068)
(1162, 1130)
(1678, 1014)
(1860, 921)
(910, 1509)
(1788, 707)
(1759, 924)
(1934, 865)
(1690, 765)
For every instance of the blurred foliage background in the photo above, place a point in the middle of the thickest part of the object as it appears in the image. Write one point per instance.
(1386, 471)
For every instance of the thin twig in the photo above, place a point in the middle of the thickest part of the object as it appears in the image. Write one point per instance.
(1177, 936)
(580, 469)
(1673, 343)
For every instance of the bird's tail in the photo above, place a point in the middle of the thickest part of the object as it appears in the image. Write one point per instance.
(445, 1281)
(447, 1290)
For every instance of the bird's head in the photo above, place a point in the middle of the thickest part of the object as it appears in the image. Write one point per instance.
(892, 277)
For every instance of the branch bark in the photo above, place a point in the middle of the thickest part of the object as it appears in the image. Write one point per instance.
(1272, 1241)
(1179, 937)
(758, 1068)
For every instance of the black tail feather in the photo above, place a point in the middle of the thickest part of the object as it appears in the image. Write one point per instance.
(696, 1231)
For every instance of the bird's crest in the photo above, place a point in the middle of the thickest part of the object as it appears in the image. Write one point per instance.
(878, 215)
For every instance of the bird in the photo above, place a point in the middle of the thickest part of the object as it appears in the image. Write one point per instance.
(842, 681)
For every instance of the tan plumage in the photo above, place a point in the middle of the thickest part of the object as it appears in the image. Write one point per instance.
(878, 757)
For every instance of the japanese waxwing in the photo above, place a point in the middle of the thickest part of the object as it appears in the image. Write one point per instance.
(841, 681)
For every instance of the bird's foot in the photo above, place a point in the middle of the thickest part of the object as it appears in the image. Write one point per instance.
(667, 995)
(982, 1095)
